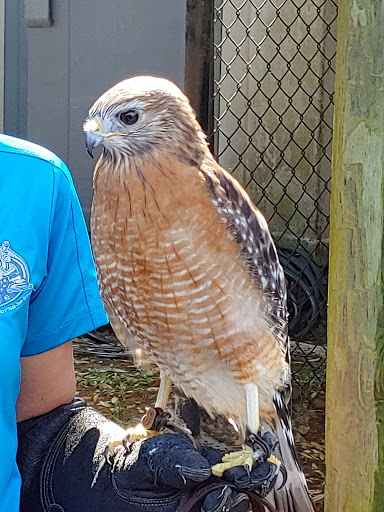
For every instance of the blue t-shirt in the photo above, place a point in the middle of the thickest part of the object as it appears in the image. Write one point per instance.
(48, 287)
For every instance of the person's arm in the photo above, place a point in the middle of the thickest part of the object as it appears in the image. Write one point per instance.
(47, 381)
(65, 304)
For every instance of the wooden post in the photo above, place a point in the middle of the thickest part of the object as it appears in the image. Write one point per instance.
(198, 76)
(355, 369)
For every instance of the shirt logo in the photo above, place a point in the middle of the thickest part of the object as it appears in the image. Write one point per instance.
(14, 279)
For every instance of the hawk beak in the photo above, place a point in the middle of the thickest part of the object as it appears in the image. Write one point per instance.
(92, 140)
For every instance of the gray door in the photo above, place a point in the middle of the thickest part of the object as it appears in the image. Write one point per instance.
(91, 45)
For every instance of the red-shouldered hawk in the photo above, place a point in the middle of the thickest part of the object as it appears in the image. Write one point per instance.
(187, 267)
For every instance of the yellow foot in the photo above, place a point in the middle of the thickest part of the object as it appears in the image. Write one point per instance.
(245, 457)
(230, 460)
(274, 460)
(137, 433)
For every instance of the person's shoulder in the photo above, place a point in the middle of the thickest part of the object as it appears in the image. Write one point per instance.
(11, 148)
(14, 146)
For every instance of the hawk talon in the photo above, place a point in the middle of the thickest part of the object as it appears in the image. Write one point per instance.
(257, 448)
(284, 474)
(125, 444)
(262, 444)
(152, 424)
(107, 454)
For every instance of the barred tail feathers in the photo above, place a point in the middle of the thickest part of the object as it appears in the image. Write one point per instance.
(293, 496)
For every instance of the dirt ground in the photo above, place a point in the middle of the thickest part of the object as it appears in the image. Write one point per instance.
(121, 391)
(309, 437)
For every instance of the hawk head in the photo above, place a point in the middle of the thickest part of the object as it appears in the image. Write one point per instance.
(141, 116)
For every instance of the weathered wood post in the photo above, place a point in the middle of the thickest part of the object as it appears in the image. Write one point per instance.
(198, 77)
(355, 369)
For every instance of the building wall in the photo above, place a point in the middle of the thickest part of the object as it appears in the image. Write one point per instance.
(90, 46)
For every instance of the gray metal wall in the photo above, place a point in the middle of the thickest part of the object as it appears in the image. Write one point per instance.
(15, 67)
(91, 45)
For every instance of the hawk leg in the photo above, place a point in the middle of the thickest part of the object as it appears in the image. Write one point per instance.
(157, 418)
(252, 450)
(164, 391)
(153, 422)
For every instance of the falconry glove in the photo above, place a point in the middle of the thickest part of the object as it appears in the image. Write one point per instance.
(65, 467)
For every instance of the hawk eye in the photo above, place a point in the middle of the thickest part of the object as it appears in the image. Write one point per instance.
(129, 117)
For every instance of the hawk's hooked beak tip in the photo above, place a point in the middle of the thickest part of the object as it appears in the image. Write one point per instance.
(92, 140)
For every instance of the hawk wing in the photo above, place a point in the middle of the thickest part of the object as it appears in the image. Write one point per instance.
(249, 229)
(247, 226)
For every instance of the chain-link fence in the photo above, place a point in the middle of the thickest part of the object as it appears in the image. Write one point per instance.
(274, 67)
